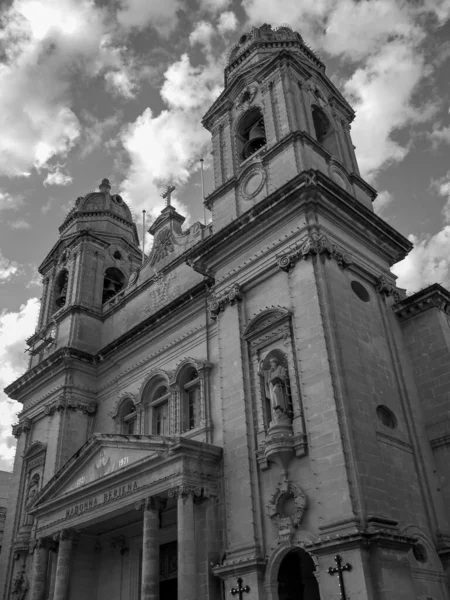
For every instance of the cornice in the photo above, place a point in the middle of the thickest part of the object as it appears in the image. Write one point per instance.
(433, 296)
(328, 197)
(62, 355)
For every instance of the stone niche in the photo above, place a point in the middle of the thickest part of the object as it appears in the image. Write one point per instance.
(275, 390)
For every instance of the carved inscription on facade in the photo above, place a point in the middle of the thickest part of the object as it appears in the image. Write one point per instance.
(101, 499)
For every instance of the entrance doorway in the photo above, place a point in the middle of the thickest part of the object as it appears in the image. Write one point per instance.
(296, 580)
(168, 571)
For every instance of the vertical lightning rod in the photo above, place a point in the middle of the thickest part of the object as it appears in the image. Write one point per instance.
(203, 192)
(143, 235)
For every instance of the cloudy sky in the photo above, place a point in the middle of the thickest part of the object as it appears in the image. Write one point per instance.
(92, 89)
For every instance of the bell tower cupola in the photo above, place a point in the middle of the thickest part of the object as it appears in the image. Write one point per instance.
(90, 264)
(279, 115)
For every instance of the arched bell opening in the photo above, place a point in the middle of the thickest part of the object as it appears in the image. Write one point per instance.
(61, 289)
(296, 579)
(251, 133)
(113, 282)
(325, 133)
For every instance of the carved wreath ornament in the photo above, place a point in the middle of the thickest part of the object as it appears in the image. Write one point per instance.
(287, 505)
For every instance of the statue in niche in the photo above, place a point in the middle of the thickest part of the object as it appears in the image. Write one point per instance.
(33, 489)
(20, 586)
(276, 387)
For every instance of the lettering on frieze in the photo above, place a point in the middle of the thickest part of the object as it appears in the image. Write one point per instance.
(101, 499)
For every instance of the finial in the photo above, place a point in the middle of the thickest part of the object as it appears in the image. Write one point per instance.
(167, 194)
(104, 186)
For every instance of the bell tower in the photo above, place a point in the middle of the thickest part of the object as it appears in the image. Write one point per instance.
(279, 115)
(90, 264)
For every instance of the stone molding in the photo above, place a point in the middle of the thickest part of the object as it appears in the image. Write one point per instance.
(219, 302)
(67, 535)
(433, 296)
(155, 503)
(23, 426)
(184, 490)
(314, 244)
(71, 403)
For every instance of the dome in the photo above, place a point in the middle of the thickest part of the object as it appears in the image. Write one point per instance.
(98, 202)
(104, 201)
(101, 207)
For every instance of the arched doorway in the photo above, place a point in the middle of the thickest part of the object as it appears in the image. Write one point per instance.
(296, 580)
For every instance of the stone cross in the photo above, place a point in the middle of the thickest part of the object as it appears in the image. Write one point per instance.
(339, 569)
(166, 195)
(240, 590)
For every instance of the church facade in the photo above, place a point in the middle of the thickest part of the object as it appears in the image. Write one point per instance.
(254, 410)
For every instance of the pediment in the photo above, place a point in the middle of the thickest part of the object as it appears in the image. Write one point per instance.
(101, 456)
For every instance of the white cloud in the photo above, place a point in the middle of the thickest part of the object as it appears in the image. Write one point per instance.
(429, 260)
(57, 177)
(214, 6)
(427, 263)
(95, 131)
(121, 83)
(381, 92)
(383, 200)
(387, 34)
(8, 268)
(19, 224)
(140, 14)
(15, 327)
(440, 135)
(46, 44)
(9, 201)
(442, 187)
(227, 22)
(165, 147)
(202, 34)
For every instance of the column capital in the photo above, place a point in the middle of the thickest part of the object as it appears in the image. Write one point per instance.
(154, 503)
(184, 490)
(67, 534)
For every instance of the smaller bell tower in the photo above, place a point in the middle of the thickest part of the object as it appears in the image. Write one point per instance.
(279, 115)
(90, 264)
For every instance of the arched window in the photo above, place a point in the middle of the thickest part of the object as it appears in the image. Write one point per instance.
(128, 418)
(296, 578)
(157, 407)
(325, 133)
(113, 282)
(251, 133)
(322, 125)
(190, 399)
(61, 288)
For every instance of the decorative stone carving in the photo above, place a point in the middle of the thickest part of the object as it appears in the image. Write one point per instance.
(218, 303)
(314, 244)
(185, 490)
(246, 98)
(287, 505)
(20, 586)
(87, 406)
(164, 245)
(387, 288)
(22, 426)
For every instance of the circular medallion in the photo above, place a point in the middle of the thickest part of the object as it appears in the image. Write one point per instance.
(253, 183)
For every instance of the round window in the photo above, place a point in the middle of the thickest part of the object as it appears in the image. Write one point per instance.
(386, 416)
(360, 291)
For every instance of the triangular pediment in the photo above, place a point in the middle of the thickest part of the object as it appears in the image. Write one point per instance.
(103, 455)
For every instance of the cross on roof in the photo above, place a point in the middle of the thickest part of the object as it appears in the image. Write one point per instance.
(167, 194)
